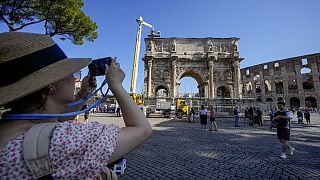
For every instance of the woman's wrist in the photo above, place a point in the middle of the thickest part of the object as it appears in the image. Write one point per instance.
(115, 86)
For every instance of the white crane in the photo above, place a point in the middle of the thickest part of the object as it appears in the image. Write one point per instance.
(153, 33)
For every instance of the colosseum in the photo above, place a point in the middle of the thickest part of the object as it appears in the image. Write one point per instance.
(296, 80)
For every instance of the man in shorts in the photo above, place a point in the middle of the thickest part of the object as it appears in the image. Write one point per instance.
(282, 119)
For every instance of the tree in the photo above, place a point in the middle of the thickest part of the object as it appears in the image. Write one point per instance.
(59, 17)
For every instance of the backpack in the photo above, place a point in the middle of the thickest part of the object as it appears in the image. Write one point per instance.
(235, 111)
(36, 152)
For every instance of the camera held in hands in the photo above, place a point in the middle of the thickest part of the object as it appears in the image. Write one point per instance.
(98, 66)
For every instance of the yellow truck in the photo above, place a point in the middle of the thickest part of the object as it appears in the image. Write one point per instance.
(181, 108)
(137, 98)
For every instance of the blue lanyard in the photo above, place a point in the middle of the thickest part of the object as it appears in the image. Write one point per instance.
(45, 116)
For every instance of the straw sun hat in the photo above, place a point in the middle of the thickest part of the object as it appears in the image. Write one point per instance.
(29, 62)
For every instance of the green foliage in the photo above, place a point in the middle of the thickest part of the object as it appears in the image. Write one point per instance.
(59, 17)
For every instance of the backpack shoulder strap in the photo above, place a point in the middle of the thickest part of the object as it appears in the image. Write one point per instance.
(36, 150)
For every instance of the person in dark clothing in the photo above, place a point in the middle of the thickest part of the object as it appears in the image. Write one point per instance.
(255, 116)
(300, 117)
(86, 114)
(259, 117)
(236, 113)
(307, 116)
(246, 115)
(118, 111)
(250, 116)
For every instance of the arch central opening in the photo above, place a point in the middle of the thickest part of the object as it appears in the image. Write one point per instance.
(191, 85)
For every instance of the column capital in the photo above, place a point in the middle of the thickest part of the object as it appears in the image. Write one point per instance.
(174, 63)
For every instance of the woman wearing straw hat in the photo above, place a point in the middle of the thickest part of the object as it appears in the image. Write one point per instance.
(37, 78)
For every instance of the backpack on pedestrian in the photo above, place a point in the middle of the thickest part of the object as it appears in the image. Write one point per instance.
(235, 111)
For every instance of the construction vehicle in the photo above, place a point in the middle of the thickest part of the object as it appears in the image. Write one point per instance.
(181, 108)
(162, 107)
(138, 98)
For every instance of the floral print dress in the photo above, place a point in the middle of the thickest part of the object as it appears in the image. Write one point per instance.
(77, 151)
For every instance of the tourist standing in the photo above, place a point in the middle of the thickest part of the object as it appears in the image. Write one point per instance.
(307, 115)
(212, 116)
(86, 114)
(300, 116)
(203, 118)
(118, 111)
(259, 116)
(251, 116)
(246, 115)
(191, 115)
(236, 113)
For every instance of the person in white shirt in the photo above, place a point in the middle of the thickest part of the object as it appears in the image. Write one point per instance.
(203, 112)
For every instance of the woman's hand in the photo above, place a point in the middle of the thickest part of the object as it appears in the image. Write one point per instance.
(114, 74)
(88, 85)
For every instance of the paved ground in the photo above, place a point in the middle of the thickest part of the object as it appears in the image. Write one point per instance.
(180, 150)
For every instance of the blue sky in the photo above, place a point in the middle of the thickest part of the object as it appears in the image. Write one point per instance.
(268, 29)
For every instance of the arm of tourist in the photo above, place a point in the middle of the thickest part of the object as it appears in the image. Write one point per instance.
(276, 117)
(137, 129)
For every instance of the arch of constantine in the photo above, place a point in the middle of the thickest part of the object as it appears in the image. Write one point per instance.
(213, 62)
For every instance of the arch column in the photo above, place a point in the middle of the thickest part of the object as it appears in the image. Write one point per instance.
(262, 86)
(237, 74)
(211, 83)
(173, 77)
(149, 78)
(285, 84)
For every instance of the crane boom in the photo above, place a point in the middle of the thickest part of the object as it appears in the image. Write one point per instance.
(137, 51)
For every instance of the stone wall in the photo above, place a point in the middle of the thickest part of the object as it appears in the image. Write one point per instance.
(213, 62)
(295, 79)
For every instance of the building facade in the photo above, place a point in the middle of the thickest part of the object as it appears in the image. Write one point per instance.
(295, 80)
(213, 62)
(215, 65)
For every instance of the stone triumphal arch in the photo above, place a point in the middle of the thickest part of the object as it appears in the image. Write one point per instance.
(213, 62)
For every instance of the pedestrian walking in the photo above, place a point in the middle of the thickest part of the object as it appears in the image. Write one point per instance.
(307, 115)
(203, 112)
(212, 116)
(282, 119)
(236, 113)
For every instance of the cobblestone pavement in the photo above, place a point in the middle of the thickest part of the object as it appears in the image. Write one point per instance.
(180, 150)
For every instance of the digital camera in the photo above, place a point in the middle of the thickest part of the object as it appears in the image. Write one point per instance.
(98, 66)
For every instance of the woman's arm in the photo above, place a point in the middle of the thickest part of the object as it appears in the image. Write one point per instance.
(137, 129)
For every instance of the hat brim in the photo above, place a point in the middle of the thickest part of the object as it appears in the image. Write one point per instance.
(41, 79)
